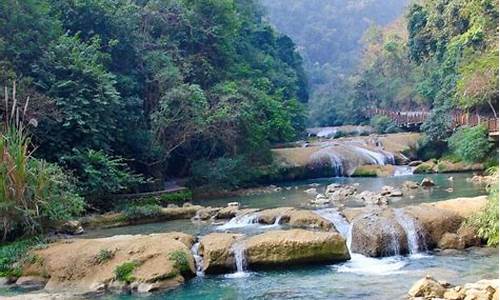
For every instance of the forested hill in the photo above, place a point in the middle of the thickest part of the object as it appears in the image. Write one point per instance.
(161, 84)
(329, 35)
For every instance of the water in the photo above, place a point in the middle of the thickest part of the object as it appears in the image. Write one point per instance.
(241, 262)
(414, 231)
(403, 170)
(377, 158)
(239, 222)
(334, 161)
(197, 259)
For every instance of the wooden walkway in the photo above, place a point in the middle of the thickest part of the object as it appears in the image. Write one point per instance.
(409, 119)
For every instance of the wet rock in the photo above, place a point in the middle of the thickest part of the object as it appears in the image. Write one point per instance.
(390, 191)
(427, 182)
(409, 185)
(371, 198)
(88, 265)
(296, 246)
(216, 250)
(427, 288)
(444, 166)
(73, 227)
(235, 204)
(464, 207)
(206, 213)
(227, 212)
(451, 241)
(31, 282)
(336, 192)
(309, 219)
(378, 234)
(455, 293)
(425, 168)
(269, 216)
(468, 236)
(311, 191)
(320, 200)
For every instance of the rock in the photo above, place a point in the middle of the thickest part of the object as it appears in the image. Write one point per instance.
(425, 168)
(73, 227)
(296, 246)
(88, 265)
(390, 192)
(456, 293)
(396, 193)
(468, 235)
(409, 185)
(309, 219)
(31, 282)
(427, 288)
(415, 163)
(340, 193)
(444, 166)
(320, 200)
(373, 171)
(311, 191)
(451, 241)
(235, 204)
(427, 182)
(227, 212)
(216, 250)
(268, 216)
(371, 198)
(206, 213)
(464, 207)
(332, 187)
(377, 233)
(187, 204)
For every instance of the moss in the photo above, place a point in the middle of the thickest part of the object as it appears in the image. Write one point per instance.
(445, 166)
(184, 195)
(424, 168)
(363, 171)
(124, 272)
(136, 212)
(104, 255)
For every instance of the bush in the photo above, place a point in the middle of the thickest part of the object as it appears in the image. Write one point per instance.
(124, 271)
(486, 222)
(180, 260)
(104, 255)
(427, 149)
(33, 193)
(471, 144)
(100, 174)
(137, 212)
(383, 124)
(184, 195)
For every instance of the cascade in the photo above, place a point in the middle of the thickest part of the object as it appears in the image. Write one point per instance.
(403, 170)
(414, 231)
(198, 259)
(239, 222)
(238, 250)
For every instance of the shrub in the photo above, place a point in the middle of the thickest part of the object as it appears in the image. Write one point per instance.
(471, 144)
(383, 124)
(137, 212)
(427, 149)
(180, 260)
(180, 196)
(33, 193)
(486, 222)
(124, 272)
(104, 255)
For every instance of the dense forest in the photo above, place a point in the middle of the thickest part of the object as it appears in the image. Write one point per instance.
(329, 35)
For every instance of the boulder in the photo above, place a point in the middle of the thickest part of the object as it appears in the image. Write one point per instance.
(415, 163)
(377, 233)
(72, 227)
(444, 166)
(269, 216)
(390, 191)
(89, 265)
(340, 193)
(427, 288)
(309, 219)
(425, 168)
(427, 182)
(464, 207)
(311, 191)
(468, 235)
(451, 241)
(216, 250)
(31, 282)
(295, 246)
(371, 198)
(409, 185)
(206, 213)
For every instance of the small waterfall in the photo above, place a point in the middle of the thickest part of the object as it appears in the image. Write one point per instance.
(414, 231)
(375, 157)
(238, 250)
(394, 248)
(277, 221)
(335, 161)
(198, 259)
(403, 170)
(339, 222)
(239, 222)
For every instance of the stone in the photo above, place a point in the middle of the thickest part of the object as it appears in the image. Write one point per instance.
(216, 250)
(337, 192)
(427, 288)
(206, 213)
(427, 182)
(311, 191)
(371, 198)
(409, 185)
(235, 204)
(456, 293)
(80, 267)
(309, 219)
(468, 235)
(377, 233)
(451, 241)
(227, 212)
(73, 227)
(31, 282)
(415, 163)
(295, 246)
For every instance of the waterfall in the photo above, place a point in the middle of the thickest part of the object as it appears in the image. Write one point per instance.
(335, 161)
(238, 250)
(374, 157)
(239, 222)
(277, 221)
(403, 170)
(339, 222)
(394, 248)
(198, 259)
(413, 229)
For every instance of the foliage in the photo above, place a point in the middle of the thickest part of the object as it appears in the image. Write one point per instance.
(146, 211)
(12, 255)
(487, 221)
(383, 124)
(125, 271)
(180, 260)
(471, 144)
(180, 196)
(104, 255)
(99, 173)
(33, 193)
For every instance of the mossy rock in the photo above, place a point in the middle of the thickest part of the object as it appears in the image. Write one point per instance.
(425, 168)
(445, 166)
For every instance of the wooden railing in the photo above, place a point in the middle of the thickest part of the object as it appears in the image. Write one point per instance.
(414, 118)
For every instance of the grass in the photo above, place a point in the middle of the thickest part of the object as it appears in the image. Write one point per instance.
(137, 212)
(104, 255)
(12, 256)
(184, 195)
(124, 272)
(180, 260)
